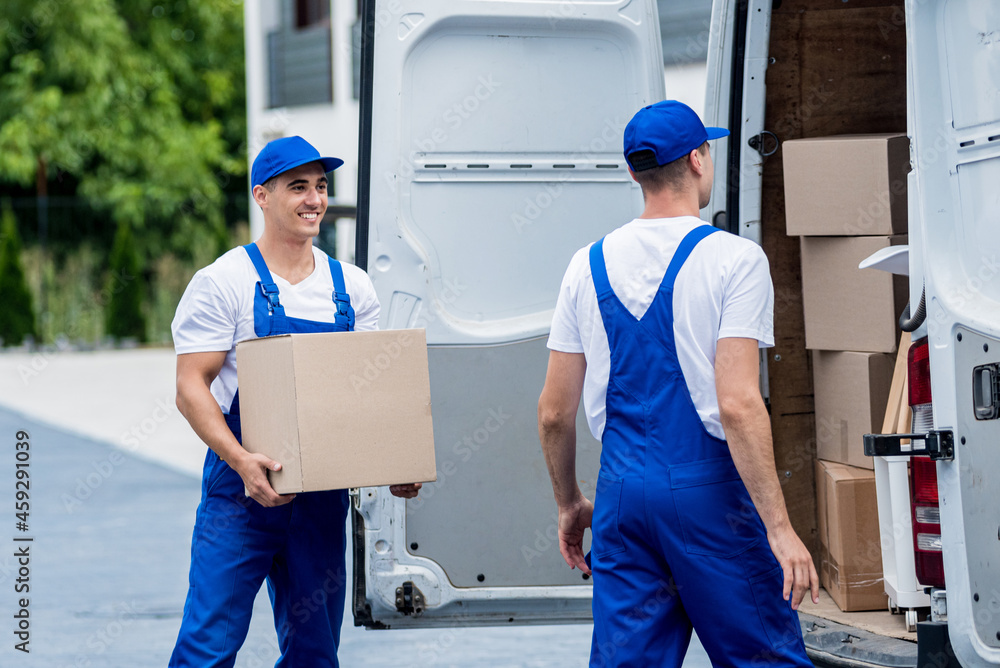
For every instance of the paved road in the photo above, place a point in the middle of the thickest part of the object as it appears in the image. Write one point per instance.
(108, 572)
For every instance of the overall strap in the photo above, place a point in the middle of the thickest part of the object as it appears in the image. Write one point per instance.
(599, 270)
(345, 312)
(682, 253)
(234, 407)
(267, 286)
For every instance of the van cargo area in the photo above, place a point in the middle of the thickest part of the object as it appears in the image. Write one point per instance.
(833, 69)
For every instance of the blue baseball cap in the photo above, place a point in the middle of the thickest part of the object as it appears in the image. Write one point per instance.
(669, 129)
(283, 154)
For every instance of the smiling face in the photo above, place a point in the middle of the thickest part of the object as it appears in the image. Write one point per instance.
(295, 207)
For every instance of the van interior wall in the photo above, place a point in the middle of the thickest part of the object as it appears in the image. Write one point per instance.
(837, 68)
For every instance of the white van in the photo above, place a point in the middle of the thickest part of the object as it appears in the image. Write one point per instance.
(491, 151)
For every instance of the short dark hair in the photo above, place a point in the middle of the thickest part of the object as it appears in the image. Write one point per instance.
(670, 175)
(271, 183)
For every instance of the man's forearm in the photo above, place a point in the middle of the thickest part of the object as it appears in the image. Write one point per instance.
(557, 408)
(559, 446)
(748, 431)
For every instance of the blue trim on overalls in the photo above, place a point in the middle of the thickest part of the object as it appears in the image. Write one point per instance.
(299, 548)
(677, 542)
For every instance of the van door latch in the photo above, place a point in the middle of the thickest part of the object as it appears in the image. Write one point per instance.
(986, 391)
(933, 444)
(759, 143)
(409, 599)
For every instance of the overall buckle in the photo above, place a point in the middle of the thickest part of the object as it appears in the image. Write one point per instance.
(270, 292)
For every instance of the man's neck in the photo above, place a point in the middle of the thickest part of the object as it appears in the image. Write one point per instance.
(291, 259)
(670, 204)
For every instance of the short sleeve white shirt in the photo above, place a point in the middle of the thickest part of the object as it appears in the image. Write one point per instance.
(216, 311)
(723, 290)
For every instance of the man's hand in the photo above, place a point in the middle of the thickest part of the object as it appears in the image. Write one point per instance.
(800, 574)
(405, 491)
(253, 469)
(574, 520)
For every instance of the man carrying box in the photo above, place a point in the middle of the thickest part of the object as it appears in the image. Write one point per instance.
(658, 326)
(296, 542)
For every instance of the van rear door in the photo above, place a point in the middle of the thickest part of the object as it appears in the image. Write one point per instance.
(491, 151)
(954, 123)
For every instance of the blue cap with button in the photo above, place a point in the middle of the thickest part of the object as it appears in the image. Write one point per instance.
(663, 132)
(286, 153)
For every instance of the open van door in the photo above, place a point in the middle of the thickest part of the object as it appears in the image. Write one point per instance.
(954, 123)
(491, 150)
(734, 99)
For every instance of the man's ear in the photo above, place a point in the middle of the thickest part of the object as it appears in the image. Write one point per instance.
(632, 174)
(697, 164)
(260, 194)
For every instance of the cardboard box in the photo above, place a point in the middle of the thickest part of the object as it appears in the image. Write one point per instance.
(851, 391)
(847, 308)
(847, 185)
(338, 410)
(850, 551)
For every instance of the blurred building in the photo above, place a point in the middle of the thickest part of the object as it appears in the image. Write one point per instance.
(303, 70)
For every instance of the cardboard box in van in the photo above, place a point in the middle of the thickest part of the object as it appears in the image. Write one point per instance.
(338, 410)
(847, 308)
(850, 560)
(847, 185)
(850, 391)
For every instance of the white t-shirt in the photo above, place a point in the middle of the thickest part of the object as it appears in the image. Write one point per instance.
(723, 290)
(216, 311)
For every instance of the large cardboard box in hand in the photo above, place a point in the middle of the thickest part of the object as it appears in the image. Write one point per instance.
(846, 185)
(847, 308)
(850, 391)
(850, 551)
(338, 410)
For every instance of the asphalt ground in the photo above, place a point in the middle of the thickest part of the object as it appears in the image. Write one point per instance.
(110, 528)
(107, 571)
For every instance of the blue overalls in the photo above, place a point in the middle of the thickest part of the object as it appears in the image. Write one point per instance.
(676, 539)
(298, 547)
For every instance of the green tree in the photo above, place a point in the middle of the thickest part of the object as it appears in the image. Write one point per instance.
(140, 103)
(124, 291)
(17, 317)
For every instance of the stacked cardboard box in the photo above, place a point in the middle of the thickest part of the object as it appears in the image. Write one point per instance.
(845, 197)
(850, 560)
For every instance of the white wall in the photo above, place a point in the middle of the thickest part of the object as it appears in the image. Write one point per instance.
(686, 83)
(331, 128)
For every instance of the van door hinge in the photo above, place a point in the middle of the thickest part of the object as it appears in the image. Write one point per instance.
(933, 444)
(409, 599)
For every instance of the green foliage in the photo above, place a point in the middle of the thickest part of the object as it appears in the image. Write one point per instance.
(124, 290)
(17, 317)
(140, 103)
(72, 288)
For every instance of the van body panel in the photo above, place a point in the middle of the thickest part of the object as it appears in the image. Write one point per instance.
(495, 154)
(954, 124)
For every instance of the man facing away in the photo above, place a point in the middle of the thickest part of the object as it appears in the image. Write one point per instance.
(658, 327)
(280, 284)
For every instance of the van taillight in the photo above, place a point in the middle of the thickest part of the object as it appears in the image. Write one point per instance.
(926, 522)
(923, 473)
(918, 368)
